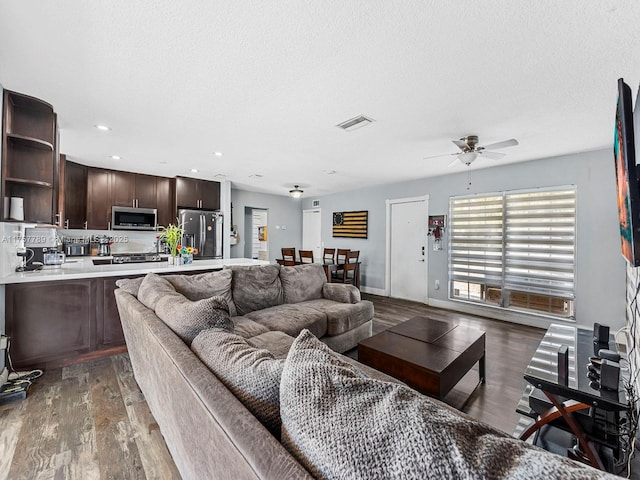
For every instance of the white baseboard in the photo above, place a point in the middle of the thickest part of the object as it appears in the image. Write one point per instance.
(498, 314)
(374, 291)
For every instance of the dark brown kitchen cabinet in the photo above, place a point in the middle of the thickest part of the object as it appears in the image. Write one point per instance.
(123, 188)
(146, 186)
(195, 193)
(109, 329)
(98, 198)
(73, 193)
(50, 320)
(165, 196)
(30, 156)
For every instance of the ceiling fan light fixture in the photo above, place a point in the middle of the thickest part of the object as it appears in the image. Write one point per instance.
(468, 157)
(296, 192)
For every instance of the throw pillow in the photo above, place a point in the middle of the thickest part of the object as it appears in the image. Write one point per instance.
(130, 285)
(187, 318)
(152, 289)
(340, 424)
(256, 287)
(252, 374)
(205, 285)
(302, 282)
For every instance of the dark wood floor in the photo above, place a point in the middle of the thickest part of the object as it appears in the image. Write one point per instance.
(90, 421)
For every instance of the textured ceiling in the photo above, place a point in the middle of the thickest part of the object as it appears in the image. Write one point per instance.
(266, 82)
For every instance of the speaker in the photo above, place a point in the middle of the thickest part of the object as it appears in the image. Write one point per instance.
(563, 365)
(609, 375)
(600, 334)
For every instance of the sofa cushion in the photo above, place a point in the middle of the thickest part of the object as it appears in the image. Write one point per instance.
(302, 282)
(342, 317)
(340, 292)
(152, 289)
(256, 287)
(130, 285)
(187, 318)
(247, 328)
(252, 374)
(278, 343)
(291, 319)
(385, 430)
(205, 285)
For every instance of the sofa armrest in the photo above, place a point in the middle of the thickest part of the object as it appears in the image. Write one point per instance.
(339, 292)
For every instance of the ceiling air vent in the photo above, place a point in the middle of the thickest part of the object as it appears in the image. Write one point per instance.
(355, 123)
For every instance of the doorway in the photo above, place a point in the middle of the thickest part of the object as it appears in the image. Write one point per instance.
(256, 245)
(407, 253)
(312, 232)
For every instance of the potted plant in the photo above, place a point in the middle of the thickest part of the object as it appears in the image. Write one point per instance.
(173, 236)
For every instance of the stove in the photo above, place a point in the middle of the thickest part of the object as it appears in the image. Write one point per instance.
(137, 258)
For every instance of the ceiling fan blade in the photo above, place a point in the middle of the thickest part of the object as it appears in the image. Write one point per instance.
(438, 156)
(461, 145)
(504, 144)
(493, 155)
(455, 160)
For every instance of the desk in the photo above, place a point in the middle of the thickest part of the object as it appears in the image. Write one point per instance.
(578, 395)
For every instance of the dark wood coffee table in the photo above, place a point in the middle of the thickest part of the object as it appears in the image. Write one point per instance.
(428, 355)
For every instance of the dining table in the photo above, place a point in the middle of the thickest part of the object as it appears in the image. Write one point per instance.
(329, 269)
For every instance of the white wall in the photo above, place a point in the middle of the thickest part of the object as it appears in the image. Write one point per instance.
(600, 282)
(283, 212)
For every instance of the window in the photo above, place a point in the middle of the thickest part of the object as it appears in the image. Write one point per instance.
(514, 250)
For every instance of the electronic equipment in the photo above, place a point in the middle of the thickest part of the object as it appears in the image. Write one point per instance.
(628, 194)
(609, 375)
(130, 218)
(601, 334)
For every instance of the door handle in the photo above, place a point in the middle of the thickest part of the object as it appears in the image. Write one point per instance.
(85, 224)
(66, 223)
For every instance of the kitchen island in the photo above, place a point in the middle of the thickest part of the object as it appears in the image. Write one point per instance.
(65, 315)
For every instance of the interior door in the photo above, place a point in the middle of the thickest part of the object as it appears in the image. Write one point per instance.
(312, 233)
(408, 252)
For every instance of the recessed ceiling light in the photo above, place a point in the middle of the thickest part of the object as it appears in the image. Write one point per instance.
(194, 170)
(217, 154)
(104, 128)
(163, 162)
(116, 157)
(330, 172)
(256, 175)
(220, 175)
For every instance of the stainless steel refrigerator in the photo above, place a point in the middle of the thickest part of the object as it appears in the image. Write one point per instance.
(203, 230)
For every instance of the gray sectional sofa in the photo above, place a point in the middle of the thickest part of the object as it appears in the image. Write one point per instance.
(238, 398)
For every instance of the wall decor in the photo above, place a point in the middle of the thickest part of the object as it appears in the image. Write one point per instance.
(350, 224)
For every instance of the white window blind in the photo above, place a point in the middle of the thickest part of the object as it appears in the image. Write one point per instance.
(475, 239)
(515, 249)
(540, 242)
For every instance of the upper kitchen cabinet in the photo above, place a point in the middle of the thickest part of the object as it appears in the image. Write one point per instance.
(195, 193)
(98, 198)
(73, 193)
(146, 191)
(165, 196)
(123, 189)
(30, 156)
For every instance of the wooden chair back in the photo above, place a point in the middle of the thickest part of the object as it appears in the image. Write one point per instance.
(349, 273)
(289, 254)
(352, 256)
(306, 256)
(341, 256)
(329, 255)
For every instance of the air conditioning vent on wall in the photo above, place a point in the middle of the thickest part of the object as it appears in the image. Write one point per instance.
(355, 123)
(316, 203)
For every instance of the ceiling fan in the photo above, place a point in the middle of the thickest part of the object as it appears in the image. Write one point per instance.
(470, 149)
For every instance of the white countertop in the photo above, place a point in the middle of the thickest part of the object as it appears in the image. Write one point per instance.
(83, 267)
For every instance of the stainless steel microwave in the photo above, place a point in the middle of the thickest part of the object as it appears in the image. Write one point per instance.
(129, 218)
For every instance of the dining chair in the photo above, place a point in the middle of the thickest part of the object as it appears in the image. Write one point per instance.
(329, 255)
(341, 258)
(350, 267)
(288, 256)
(306, 256)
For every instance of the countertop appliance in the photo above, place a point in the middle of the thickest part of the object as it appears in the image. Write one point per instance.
(104, 245)
(39, 241)
(205, 227)
(130, 218)
(75, 246)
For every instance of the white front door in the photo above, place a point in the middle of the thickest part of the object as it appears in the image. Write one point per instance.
(407, 250)
(312, 232)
